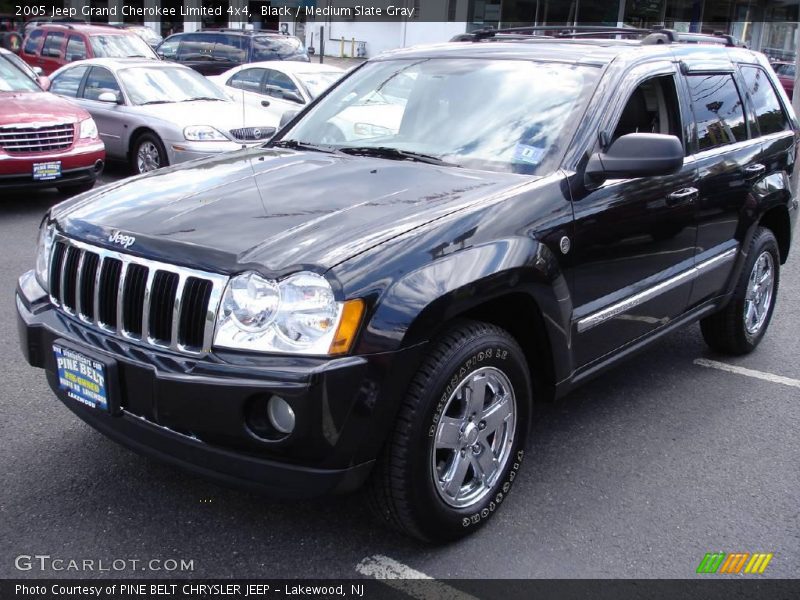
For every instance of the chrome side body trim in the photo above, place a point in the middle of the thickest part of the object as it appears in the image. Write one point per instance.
(596, 318)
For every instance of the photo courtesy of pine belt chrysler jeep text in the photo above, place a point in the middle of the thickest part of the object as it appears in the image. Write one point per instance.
(511, 215)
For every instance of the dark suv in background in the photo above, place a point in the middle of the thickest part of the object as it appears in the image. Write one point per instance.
(520, 215)
(212, 52)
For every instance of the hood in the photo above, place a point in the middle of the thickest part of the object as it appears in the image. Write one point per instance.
(18, 108)
(222, 115)
(275, 210)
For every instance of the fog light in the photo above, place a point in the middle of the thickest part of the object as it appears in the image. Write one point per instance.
(281, 415)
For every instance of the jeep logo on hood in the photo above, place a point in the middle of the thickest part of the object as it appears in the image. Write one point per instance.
(126, 241)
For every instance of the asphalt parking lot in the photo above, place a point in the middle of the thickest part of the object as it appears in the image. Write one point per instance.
(637, 475)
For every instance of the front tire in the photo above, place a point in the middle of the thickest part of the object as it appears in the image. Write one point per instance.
(148, 154)
(741, 325)
(459, 438)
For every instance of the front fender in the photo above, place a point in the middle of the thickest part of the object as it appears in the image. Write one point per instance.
(415, 307)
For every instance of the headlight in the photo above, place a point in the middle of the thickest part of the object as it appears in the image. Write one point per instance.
(88, 129)
(203, 133)
(298, 315)
(44, 249)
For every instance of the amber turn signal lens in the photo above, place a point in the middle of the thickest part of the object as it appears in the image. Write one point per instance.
(348, 326)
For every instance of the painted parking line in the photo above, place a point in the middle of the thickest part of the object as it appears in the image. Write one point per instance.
(407, 580)
(780, 379)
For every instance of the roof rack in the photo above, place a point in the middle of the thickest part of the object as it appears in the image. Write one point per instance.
(237, 30)
(654, 35)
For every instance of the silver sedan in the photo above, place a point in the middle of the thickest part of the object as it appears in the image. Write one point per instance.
(154, 114)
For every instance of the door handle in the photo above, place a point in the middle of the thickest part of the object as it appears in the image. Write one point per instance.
(754, 170)
(265, 103)
(682, 195)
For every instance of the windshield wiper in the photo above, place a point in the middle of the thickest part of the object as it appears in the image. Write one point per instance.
(396, 154)
(203, 98)
(156, 102)
(297, 145)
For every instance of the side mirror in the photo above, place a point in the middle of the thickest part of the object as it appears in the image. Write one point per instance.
(110, 97)
(43, 81)
(293, 97)
(38, 70)
(637, 155)
(286, 117)
(311, 51)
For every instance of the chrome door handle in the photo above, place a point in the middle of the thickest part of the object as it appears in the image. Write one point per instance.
(682, 195)
(755, 170)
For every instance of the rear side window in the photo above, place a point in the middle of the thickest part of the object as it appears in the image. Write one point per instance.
(67, 82)
(275, 47)
(718, 110)
(52, 45)
(230, 48)
(32, 43)
(769, 113)
(76, 49)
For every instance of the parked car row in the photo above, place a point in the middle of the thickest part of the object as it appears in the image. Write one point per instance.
(149, 112)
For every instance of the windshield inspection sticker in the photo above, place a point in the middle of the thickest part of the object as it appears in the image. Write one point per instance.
(528, 154)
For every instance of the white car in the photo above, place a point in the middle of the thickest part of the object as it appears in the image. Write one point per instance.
(157, 113)
(275, 87)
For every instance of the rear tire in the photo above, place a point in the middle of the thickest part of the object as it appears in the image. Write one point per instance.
(459, 438)
(740, 326)
(147, 154)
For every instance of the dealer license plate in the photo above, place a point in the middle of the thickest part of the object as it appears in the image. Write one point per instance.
(47, 170)
(82, 378)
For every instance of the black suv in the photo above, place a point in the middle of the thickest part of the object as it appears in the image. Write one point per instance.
(445, 238)
(214, 51)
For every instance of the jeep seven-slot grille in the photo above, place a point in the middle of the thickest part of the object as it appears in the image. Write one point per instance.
(137, 299)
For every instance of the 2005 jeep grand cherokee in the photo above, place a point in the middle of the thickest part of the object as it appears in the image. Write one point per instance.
(449, 235)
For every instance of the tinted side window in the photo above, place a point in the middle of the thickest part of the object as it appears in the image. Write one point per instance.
(100, 80)
(769, 113)
(76, 49)
(230, 48)
(169, 49)
(68, 82)
(248, 79)
(52, 45)
(717, 109)
(196, 46)
(32, 43)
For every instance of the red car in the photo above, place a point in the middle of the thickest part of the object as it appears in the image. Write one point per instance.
(53, 45)
(786, 73)
(45, 141)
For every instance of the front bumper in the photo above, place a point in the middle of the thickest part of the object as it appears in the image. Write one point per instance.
(183, 151)
(191, 412)
(80, 164)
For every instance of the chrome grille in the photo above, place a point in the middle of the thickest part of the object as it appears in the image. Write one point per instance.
(253, 134)
(19, 139)
(137, 299)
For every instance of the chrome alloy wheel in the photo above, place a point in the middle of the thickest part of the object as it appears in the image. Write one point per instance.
(760, 287)
(474, 437)
(148, 158)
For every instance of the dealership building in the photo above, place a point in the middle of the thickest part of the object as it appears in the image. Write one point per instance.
(767, 25)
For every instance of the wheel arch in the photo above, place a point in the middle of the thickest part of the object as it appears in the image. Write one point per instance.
(136, 133)
(514, 283)
(777, 220)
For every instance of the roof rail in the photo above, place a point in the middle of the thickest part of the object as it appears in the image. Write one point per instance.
(237, 30)
(654, 35)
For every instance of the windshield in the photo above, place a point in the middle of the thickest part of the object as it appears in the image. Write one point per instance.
(14, 80)
(120, 46)
(151, 85)
(498, 115)
(316, 83)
